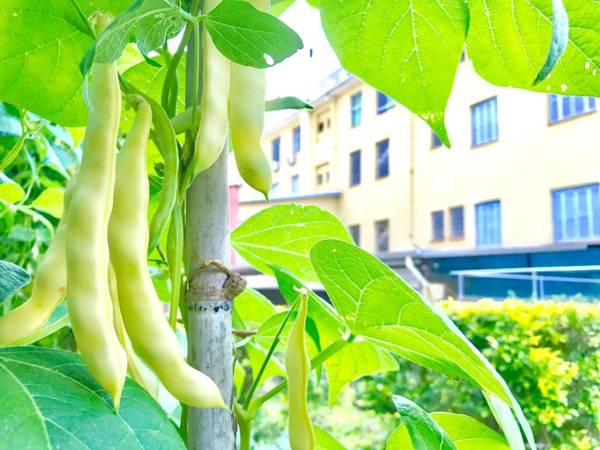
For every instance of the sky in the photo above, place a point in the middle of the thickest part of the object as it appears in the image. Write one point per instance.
(298, 74)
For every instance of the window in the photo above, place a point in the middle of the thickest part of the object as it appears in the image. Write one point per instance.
(274, 188)
(384, 103)
(437, 226)
(355, 168)
(484, 122)
(382, 235)
(276, 150)
(356, 109)
(295, 184)
(488, 223)
(383, 158)
(296, 143)
(321, 127)
(561, 107)
(319, 179)
(457, 222)
(576, 213)
(355, 233)
(436, 142)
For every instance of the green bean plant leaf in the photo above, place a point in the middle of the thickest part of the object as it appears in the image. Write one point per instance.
(50, 201)
(278, 7)
(149, 22)
(41, 44)
(253, 308)
(325, 441)
(82, 416)
(280, 103)
(559, 41)
(330, 325)
(250, 37)
(12, 278)
(149, 79)
(509, 44)
(10, 192)
(377, 304)
(354, 361)
(283, 235)
(422, 432)
(408, 50)
(113, 7)
(465, 432)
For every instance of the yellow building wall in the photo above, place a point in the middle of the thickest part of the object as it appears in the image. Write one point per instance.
(529, 160)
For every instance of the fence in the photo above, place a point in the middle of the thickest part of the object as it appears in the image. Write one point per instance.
(537, 277)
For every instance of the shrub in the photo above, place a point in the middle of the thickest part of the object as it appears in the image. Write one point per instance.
(548, 352)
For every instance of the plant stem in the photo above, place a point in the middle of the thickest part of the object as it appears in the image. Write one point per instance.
(265, 362)
(208, 324)
(245, 425)
(333, 348)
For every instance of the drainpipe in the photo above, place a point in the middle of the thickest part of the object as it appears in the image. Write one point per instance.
(411, 187)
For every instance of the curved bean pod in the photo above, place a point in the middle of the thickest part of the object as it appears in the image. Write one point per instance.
(140, 306)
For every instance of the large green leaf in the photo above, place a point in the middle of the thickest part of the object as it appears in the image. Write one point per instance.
(329, 324)
(250, 37)
(50, 201)
(149, 79)
(407, 49)
(421, 432)
(325, 441)
(12, 278)
(253, 308)
(49, 400)
(354, 361)
(377, 303)
(149, 22)
(41, 44)
(114, 7)
(508, 44)
(466, 434)
(283, 235)
(559, 41)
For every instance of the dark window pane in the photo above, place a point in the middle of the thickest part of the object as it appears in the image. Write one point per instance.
(437, 225)
(383, 158)
(355, 168)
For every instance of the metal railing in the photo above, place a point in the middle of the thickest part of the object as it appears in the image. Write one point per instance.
(535, 275)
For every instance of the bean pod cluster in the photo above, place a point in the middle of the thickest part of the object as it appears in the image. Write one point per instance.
(98, 261)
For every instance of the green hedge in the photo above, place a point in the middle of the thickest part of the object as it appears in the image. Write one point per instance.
(548, 352)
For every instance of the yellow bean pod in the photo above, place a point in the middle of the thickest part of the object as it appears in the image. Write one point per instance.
(47, 291)
(297, 366)
(212, 129)
(135, 366)
(141, 308)
(88, 296)
(247, 88)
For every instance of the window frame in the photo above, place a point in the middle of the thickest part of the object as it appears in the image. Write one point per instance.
(296, 140)
(295, 179)
(359, 153)
(436, 142)
(472, 108)
(576, 190)
(355, 236)
(479, 237)
(277, 161)
(356, 110)
(563, 119)
(387, 227)
(385, 107)
(451, 217)
(438, 234)
(378, 174)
